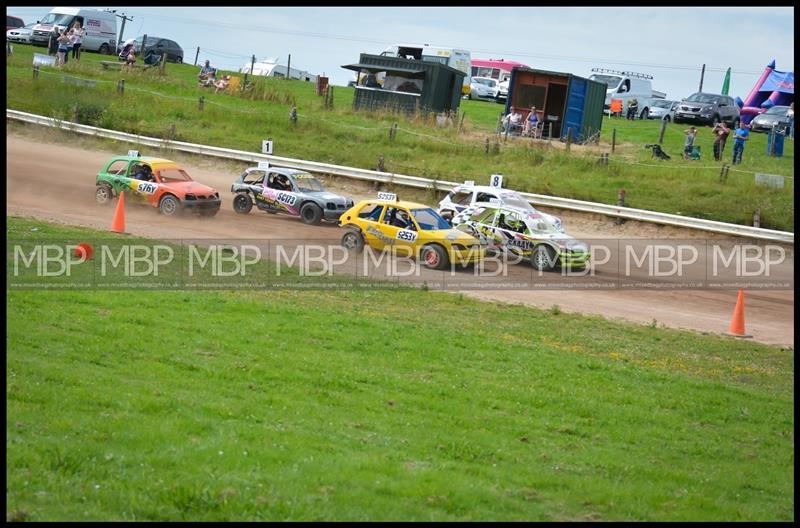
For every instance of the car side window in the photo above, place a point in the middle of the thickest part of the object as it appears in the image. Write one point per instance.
(118, 168)
(394, 216)
(371, 212)
(279, 182)
(485, 197)
(461, 198)
(254, 178)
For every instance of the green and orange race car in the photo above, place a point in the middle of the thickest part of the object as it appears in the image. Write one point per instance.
(157, 182)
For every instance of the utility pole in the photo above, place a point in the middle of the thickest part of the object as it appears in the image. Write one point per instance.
(122, 30)
(702, 74)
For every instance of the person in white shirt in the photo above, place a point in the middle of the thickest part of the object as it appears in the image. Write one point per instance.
(76, 39)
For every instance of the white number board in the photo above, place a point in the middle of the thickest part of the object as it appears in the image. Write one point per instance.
(266, 146)
(406, 235)
(392, 197)
(133, 153)
(496, 181)
(263, 165)
(147, 188)
(288, 199)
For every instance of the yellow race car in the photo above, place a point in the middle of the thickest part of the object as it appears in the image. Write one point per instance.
(409, 229)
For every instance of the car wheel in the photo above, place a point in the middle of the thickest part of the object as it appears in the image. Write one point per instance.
(310, 213)
(242, 203)
(104, 194)
(105, 49)
(352, 240)
(543, 258)
(645, 114)
(434, 257)
(667, 119)
(169, 205)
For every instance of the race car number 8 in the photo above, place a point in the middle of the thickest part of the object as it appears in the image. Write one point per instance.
(287, 199)
(147, 188)
(406, 235)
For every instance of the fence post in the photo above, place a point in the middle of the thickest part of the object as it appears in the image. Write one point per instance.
(330, 96)
(196, 55)
(723, 173)
(487, 145)
(35, 72)
(663, 129)
(144, 46)
(293, 115)
(289, 67)
(550, 130)
(461, 124)
(121, 87)
(613, 140)
(381, 166)
(201, 103)
(757, 218)
(163, 63)
(620, 203)
(569, 138)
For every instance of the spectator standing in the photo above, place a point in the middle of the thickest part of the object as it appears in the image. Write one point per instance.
(633, 108)
(691, 133)
(740, 135)
(52, 42)
(63, 41)
(77, 40)
(721, 133)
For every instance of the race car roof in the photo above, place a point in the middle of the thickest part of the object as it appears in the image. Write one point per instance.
(153, 162)
(398, 203)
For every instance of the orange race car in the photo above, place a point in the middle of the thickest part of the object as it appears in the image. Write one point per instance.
(158, 182)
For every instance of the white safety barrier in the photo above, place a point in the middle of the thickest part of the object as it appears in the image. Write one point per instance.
(413, 181)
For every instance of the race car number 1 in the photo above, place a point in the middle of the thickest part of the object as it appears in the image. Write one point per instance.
(147, 188)
(406, 235)
(287, 199)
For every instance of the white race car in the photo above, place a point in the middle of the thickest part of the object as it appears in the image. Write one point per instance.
(462, 199)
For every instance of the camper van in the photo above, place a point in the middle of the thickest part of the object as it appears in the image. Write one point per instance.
(455, 58)
(100, 26)
(271, 68)
(626, 86)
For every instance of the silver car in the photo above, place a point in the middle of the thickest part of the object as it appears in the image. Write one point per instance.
(662, 109)
(483, 88)
(775, 116)
(292, 191)
(21, 34)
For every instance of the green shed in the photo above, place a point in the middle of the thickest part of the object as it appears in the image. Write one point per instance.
(566, 101)
(408, 85)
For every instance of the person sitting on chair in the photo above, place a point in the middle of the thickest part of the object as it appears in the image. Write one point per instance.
(532, 123)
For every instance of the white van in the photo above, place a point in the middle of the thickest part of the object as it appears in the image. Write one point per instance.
(271, 68)
(100, 26)
(625, 86)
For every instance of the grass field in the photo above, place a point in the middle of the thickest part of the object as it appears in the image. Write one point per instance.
(168, 107)
(403, 405)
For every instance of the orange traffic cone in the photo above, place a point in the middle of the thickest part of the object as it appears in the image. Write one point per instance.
(118, 224)
(737, 321)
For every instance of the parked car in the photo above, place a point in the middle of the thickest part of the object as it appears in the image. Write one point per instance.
(707, 109)
(292, 191)
(463, 197)
(13, 22)
(502, 91)
(21, 34)
(409, 229)
(159, 46)
(156, 182)
(662, 109)
(517, 231)
(483, 88)
(774, 117)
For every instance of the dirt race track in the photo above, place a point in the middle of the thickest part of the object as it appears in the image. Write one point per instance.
(56, 182)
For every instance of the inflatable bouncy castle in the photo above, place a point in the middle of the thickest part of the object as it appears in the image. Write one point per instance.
(772, 88)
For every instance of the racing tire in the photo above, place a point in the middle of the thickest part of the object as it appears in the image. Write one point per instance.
(310, 213)
(352, 240)
(104, 194)
(169, 206)
(434, 257)
(543, 258)
(242, 203)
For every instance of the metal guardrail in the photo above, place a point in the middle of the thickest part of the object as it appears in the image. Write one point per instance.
(413, 181)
